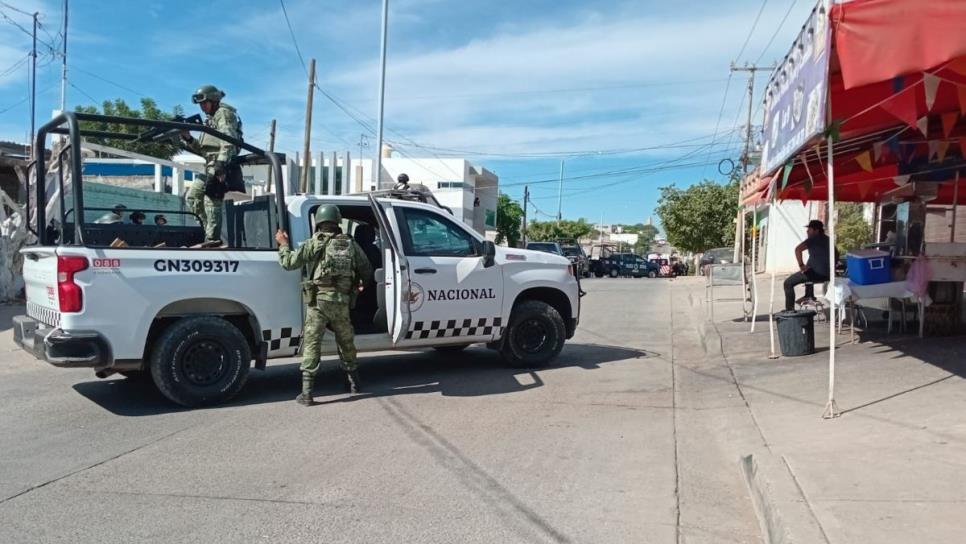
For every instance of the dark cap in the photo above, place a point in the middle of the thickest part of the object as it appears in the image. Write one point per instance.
(816, 224)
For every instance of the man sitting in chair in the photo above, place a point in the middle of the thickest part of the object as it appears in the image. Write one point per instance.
(816, 270)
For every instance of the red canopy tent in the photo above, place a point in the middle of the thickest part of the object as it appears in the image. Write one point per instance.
(896, 93)
(897, 82)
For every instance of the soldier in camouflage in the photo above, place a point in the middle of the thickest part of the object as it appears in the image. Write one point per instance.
(205, 198)
(335, 267)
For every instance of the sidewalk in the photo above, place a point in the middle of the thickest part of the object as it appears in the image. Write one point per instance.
(890, 469)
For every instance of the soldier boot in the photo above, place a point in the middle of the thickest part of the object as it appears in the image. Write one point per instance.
(352, 383)
(305, 397)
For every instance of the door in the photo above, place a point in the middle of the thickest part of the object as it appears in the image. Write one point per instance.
(454, 297)
(397, 280)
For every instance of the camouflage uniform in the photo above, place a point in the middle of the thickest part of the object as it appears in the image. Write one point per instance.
(327, 303)
(215, 151)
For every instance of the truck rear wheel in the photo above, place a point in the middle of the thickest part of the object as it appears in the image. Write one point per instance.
(200, 361)
(535, 335)
(614, 273)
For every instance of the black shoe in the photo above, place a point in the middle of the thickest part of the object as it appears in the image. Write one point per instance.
(352, 383)
(305, 399)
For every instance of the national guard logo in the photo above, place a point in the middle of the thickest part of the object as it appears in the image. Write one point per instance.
(416, 296)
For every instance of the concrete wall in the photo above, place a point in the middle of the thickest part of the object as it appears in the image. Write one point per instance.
(785, 230)
(99, 195)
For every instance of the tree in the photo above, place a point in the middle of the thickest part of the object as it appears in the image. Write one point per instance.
(851, 229)
(553, 230)
(120, 108)
(700, 217)
(509, 216)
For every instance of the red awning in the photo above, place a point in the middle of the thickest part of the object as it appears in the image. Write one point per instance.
(877, 40)
(897, 87)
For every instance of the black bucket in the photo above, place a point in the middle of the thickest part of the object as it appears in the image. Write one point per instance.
(796, 332)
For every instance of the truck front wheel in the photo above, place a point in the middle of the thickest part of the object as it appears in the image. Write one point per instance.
(200, 361)
(535, 335)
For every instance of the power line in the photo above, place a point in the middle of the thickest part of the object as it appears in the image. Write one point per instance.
(777, 30)
(105, 80)
(18, 10)
(92, 99)
(292, 34)
(752, 31)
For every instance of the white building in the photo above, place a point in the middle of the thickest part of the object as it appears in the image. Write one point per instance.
(470, 191)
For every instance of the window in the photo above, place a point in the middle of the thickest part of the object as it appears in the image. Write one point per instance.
(450, 185)
(427, 234)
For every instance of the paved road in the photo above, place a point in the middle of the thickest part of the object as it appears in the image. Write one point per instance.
(632, 436)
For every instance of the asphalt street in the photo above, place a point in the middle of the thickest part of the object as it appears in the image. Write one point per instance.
(633, 436)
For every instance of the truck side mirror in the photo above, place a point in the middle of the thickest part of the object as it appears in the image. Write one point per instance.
(489, 254)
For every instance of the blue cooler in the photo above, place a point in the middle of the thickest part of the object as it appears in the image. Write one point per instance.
(869, 266)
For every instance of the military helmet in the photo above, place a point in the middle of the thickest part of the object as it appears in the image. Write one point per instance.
(207, 92)
(328, 213)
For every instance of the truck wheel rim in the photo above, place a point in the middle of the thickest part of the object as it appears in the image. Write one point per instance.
(204, 363)
(532, 336)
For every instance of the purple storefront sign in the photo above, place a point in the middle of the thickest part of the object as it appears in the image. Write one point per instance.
(796, 96)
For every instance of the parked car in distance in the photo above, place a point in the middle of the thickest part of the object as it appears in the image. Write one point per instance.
(719, 255)
(577, 257)
(624, 265)
(545, 247)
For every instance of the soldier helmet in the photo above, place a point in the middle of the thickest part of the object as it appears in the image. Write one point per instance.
(328, 213)
(403, 178)
(207, 92)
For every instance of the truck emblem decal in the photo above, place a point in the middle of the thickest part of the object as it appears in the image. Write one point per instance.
(416, 297)
(460, 294)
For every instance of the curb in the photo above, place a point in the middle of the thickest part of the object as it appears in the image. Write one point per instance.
(773, 530)
(783, 512)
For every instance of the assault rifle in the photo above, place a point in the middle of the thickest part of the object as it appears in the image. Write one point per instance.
(169, 134)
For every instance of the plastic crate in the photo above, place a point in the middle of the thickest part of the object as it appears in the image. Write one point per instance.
(869, 266)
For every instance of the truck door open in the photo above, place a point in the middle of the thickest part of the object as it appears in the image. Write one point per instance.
(397, 279)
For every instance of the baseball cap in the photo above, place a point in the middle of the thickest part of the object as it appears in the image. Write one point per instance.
(816, 224)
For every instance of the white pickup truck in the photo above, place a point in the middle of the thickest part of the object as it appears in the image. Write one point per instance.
(196, 318)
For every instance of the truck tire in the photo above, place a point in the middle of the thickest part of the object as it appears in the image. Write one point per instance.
(200, 361)
(652, 274)
(598, 274)
(614, 272)
(535, 335)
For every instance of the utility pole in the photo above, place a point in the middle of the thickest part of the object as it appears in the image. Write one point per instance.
(271, 149)
(751, 69)
(63, 71)
(33, 90)
(526, 198)
(382, 90)
(560, 194)
(306, 154)
(746, 154)
(363, 144)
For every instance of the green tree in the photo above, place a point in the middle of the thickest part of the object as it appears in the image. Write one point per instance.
(553, 230)
(509, 216)
(700, 217)
(120, 108)
(851, 230)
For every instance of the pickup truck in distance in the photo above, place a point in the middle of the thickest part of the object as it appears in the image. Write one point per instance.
(197, 318)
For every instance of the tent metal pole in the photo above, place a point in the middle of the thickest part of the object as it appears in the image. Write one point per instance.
(831, 409)
(952, 230)
(754, 262)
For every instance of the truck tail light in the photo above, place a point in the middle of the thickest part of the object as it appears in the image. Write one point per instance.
(69, 293)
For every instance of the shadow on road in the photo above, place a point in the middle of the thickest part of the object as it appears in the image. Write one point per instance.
(7, 311)
(474, 372)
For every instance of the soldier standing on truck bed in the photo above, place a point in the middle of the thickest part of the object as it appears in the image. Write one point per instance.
(335, 266)
(206, 196)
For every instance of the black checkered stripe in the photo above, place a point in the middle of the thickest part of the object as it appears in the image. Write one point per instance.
(284, 341)
(47, 316)
(481, 326)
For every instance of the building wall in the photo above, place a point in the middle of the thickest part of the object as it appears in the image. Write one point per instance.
(786, 230)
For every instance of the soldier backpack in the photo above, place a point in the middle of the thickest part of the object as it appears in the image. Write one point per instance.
(337, 265)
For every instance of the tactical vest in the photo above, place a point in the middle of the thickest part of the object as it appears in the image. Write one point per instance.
(333, 270)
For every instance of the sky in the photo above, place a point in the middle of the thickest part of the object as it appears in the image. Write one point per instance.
(630, 95)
